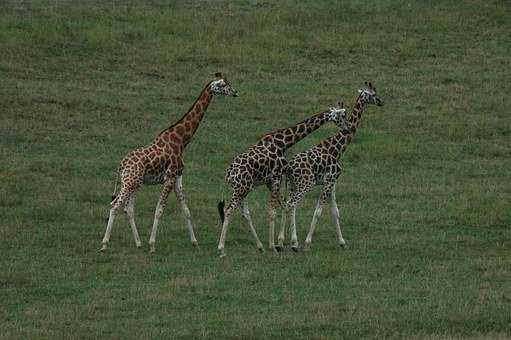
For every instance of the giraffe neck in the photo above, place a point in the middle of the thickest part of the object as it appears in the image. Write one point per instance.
(286, 138)
(338, 143)
(356, 114)
(184, 129)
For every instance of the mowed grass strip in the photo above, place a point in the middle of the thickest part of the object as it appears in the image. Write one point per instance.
(424, 196)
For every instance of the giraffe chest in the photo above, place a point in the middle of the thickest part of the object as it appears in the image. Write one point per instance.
(326, 170)
(314, 165)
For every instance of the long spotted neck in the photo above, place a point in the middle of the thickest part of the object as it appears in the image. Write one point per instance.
(185, 128)
(286, 138)
(338, 143)
(356, 114)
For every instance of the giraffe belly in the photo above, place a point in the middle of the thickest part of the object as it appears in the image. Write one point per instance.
(152, 178)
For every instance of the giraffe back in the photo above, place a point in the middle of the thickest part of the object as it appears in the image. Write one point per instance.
(258, 165)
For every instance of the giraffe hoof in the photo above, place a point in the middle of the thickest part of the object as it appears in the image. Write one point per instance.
(222, 254)
(343, 245)
(152, 249)
(294, 248)
(139, 245)
(279, 248)
(103, 248)
(261, 249)
(195, 244)
(307, 247)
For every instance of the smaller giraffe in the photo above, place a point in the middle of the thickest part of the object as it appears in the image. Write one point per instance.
(264, 163)
(162, 163)
(319, 166)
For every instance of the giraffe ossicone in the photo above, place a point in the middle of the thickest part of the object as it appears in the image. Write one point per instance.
(162, 163)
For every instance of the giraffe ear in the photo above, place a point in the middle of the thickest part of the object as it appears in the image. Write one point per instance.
(218, 75)
(366, 83)
(360, 91)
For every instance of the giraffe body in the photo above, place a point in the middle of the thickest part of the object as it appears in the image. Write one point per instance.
(265, 163)
(162, 163)
(320, 165)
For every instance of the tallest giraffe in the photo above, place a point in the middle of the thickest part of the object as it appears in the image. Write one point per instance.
(162, 163)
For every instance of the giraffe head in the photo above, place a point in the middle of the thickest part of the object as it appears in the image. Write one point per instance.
(338, 115)
(369, 96)
(222, 86)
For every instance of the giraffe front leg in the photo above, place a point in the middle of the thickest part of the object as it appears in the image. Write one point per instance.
(282, 235)
(271, 230)
(186, 212)
(296, 197)
(317, 213)
(168, 186)
(118, 202)
(130, 213)
(337, 219)
(294, 237)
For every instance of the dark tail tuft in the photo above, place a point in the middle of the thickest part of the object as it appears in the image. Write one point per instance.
(221, 206)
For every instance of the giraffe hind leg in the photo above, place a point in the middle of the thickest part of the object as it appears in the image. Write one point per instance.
(225, 225)
(186, 212)
(130, 214)
(274, 204)
(168, 186)
(325, 194)
(289, 180)
(245, 212)
(117, 203)
(238, 196)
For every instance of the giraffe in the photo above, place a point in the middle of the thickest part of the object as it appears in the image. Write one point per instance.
(162, 163)
(319, 166)
(264, 163)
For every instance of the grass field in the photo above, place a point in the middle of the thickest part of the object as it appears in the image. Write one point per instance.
(424, 198)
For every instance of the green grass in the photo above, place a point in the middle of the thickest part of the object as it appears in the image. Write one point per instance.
(424, 197)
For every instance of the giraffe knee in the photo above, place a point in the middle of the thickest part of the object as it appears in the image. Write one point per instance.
(272, 212)
(228, 212)
(159, 212)
(186, 212)
(114, 210)
(318, 211)
(129, 210)
(335, 212)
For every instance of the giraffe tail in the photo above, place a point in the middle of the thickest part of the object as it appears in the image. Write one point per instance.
(221, 206)
(114, 194)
